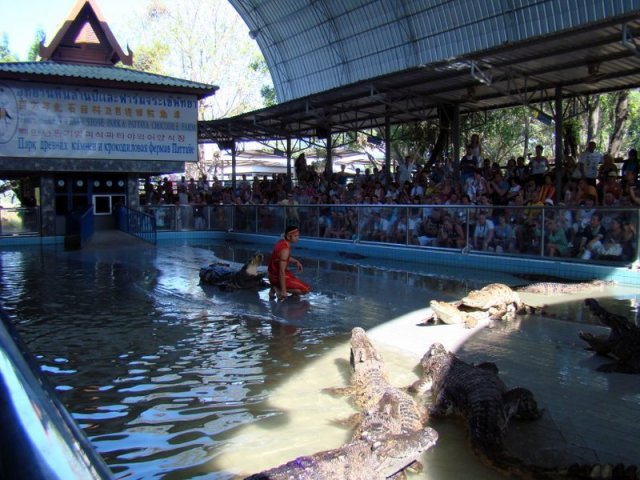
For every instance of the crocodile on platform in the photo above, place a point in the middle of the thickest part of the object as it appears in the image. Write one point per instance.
(389, 435)
(559, 288)
(359, 459)
(622, 344)
(495, 301)
(476, 393)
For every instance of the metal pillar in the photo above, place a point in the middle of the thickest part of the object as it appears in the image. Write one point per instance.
(559, 162)
(328, 169)
(289, 178)
(455, 139)
(387, 142)
(233, 166)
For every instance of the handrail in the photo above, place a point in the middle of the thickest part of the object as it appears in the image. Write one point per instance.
(79, 227)
(86, 224)
(137, 223)
(38, 440)
(314, 219)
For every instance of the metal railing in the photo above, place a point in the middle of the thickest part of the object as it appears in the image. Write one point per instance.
(137, 223)
(532, 231)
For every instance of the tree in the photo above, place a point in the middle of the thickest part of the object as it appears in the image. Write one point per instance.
(5, 53)
(620, 115)
(209, 43)
(34, 50)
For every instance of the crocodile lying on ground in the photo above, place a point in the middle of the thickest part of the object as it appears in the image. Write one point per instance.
(622, 344)
(455, 313)
(356, 460)
(559, 288)
(389, 436)
(476, 393)
(493, 302)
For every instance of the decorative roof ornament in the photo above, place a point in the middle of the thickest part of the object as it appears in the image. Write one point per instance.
(85, 38)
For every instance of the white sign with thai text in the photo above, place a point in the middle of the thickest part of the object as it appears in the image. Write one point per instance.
(40, 120)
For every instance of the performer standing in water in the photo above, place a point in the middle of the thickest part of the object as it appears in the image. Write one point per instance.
(282, 280)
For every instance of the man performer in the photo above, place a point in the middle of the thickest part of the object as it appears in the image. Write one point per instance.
(281, 279)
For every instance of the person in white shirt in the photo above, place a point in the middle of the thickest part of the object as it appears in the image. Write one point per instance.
(589, 163)
(483, 232)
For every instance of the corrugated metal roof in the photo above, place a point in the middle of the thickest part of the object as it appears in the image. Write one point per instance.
(102, 76)
(313, 46)
(599, 58)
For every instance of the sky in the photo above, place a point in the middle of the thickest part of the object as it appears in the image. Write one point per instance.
(21, 19)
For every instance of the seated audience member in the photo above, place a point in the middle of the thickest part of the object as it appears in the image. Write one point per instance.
(548, 189)
(450, 234)
(557, 244)
(608, 166)
(589, 236)
(586, 190)
(629, 241)
(483, 232)
(607, 249)
(611, 185)
(503, 237)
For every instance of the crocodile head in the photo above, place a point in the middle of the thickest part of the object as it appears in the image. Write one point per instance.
(362, 351)
(434, 365)
(446, 312)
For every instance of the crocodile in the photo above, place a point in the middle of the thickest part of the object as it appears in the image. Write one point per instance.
(456, 313)
(359, 459)
(229, 278)
(389, 435)
(492, 302)
(559, 288)
(476, 393)
(622, 344)
(493, 295)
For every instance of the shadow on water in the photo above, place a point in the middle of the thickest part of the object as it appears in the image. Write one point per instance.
(164, 374)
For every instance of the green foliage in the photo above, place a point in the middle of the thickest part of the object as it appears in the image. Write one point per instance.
(34, 50)
(208, 43)
(5, 53)
(151, 58)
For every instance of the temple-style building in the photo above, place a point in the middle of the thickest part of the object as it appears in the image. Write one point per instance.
(77, 129)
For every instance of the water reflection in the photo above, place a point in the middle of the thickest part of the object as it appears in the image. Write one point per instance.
(164, 373)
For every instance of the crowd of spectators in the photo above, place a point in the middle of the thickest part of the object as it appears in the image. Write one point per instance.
(435, 199)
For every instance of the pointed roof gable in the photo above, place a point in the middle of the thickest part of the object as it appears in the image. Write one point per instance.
(85, 38)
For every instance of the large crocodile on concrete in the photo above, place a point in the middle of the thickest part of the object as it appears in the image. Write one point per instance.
(389, 436)
(559, 288)
(492, 302)
(476, 393)
(357, 460)
(622, 344)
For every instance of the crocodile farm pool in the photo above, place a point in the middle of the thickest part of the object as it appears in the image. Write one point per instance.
(172, 379)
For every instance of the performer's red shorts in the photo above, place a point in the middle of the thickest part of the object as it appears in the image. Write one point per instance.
(293, 283)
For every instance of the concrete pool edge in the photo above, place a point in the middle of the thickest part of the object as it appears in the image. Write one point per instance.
(627, 275)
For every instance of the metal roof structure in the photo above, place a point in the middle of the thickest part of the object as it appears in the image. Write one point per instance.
(101, 76)
(357, 64)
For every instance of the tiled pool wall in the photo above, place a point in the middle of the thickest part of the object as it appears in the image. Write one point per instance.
(415, 255)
